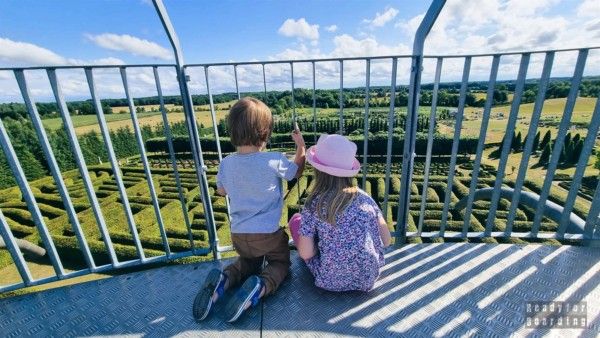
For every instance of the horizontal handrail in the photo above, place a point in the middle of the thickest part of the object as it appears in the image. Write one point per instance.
(116, 66)
(288, 61)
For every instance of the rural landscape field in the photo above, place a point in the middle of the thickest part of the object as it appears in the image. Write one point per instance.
(150, 118)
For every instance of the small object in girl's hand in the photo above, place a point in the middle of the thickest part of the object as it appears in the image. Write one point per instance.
(296, 128)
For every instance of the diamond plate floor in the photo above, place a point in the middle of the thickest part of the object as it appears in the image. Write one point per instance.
(424, 290)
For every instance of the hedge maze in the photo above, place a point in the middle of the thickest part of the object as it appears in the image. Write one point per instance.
(20, 221)
(57, 221)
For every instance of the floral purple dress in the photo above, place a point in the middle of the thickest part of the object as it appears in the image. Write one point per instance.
(350, 253)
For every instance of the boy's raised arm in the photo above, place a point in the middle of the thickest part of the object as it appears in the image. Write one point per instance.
(300, 157)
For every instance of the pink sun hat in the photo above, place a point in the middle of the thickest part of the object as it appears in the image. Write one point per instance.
(334, 155)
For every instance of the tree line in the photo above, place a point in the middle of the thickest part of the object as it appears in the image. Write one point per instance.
(281, 101)
(34, 164)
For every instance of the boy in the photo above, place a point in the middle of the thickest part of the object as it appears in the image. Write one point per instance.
(251, 178)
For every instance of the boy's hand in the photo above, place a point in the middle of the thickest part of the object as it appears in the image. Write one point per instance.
(297, 136)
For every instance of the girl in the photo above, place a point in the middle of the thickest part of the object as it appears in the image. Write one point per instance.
(341, 232)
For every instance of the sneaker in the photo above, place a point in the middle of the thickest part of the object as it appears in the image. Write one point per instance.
(215, 282)
(248, 293)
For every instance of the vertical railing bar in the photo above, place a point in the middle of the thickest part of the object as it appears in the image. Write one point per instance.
(314, 97)
(592, 218)
(188, 108)
(588, 145)
(169, 138)
(237, 86)
(293, 92)
(15, 252)
(455, 142)
(412, 115)
(341, 97)
(54, 169)
(432, 121)
(213, 116)
(391, 118)
(265, 97)
(366, 123)
(38, 219)
(144, 158)
(199, 161)
(560, 138)
(533, 127)
(508, 136)
(82, 166)
(481, 142)
(114, 163)
(264, 81)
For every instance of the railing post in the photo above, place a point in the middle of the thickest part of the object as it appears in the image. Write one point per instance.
(411, 117)
(190, 120)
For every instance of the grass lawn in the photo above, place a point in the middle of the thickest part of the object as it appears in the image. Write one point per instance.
(86, 123)
(553, 108)
(120, 117)
(551, 114)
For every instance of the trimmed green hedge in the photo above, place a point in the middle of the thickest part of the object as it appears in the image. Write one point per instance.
(20, 216)
(442, 145)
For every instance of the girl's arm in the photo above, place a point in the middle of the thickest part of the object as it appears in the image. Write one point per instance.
(384, 232)
(306, 247)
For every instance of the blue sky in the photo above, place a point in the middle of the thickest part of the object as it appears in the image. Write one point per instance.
(210, 31)
(128, 31)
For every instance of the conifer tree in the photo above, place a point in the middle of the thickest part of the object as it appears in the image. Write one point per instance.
(536, 142)
(545, 156)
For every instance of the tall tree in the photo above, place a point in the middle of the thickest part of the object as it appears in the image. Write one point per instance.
(545, 156)
(536, 142)
(546, 139)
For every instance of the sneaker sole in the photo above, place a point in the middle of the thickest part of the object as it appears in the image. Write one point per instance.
(203, 301)
(250, 289)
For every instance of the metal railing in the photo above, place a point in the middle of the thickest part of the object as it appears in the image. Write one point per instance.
(564, 218)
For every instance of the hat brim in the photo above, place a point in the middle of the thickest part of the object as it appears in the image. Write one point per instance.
(339, 172)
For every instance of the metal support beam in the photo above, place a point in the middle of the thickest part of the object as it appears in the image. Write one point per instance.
(411, 121)
(190, 120)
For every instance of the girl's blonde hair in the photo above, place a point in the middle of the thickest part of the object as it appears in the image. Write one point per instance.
(331, 195)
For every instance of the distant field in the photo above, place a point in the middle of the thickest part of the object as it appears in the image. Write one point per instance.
(153, 119)
(552, 113)
(86, 123)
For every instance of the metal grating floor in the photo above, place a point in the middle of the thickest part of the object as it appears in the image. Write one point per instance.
(425, 290)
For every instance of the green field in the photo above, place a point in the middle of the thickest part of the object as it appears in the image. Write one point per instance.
(121, 117)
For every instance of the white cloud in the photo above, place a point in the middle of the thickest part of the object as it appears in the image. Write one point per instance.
(589, 8)
(130, 44)
(346, 45)
(331, 28)
(381, 19)
(299, 28)
(105, 61)
(25, 53)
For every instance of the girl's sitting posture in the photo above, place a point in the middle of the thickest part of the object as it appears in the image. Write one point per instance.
(251, 178)
(341, 232)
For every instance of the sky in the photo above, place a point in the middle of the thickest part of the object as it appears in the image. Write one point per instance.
(76, 32)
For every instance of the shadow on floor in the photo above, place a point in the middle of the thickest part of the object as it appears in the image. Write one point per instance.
(424, 290)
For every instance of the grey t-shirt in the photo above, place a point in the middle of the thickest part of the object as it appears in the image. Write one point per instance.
(253, 183)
